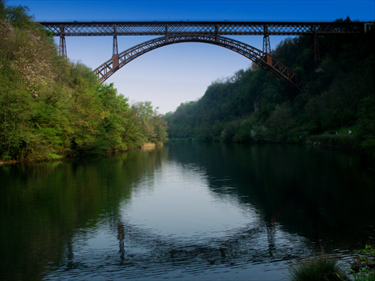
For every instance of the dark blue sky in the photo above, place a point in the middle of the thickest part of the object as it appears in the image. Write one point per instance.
(182, 72)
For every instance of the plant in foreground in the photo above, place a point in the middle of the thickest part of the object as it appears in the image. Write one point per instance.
(318, 268)
(363, 267)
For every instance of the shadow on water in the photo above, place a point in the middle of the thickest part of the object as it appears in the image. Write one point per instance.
(321, 199)
(323, 194)
(43, 205)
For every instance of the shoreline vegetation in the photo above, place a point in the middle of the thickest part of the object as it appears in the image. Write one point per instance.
(327, 267)
(51, 108)
(252, 107)
(144, 147)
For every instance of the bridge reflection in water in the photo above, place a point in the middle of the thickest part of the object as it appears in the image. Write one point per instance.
(188, 211)
(161, 257)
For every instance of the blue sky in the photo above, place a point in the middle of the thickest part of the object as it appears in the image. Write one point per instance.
(181, 72)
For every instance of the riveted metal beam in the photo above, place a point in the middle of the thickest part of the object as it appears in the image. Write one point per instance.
(157, 28)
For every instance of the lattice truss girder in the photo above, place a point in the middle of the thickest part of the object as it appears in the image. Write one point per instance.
(186, 27)
(281, 72)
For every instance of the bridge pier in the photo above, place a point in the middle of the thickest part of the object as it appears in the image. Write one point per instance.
(316, 50)
(266, 41)
(315, 46)
(217, 35)
(115, 49)
(266, 44)
(62, 46)
(166, 34)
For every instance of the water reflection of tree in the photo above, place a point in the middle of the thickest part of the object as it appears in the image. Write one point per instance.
(43, 205)
(310, 192)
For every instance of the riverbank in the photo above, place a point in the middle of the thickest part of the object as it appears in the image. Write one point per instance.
(366, 147)
(332, 140)
(321, 140)
(340, 141)
(146, 146)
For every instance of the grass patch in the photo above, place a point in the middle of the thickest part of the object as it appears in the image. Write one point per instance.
(318, 268)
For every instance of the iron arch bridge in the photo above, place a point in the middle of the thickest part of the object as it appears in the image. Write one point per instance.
(211, 32)
(287, 77)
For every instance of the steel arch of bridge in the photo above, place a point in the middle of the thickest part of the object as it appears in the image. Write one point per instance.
(287, 77)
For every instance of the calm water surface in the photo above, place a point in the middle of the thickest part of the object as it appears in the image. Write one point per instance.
(185, 212)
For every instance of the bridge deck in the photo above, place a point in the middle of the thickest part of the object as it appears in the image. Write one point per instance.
(157, 28)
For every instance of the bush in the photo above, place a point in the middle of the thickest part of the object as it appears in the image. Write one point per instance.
(318, 268)
(363, 267)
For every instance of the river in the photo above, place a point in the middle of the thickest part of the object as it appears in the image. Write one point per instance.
(185, 211)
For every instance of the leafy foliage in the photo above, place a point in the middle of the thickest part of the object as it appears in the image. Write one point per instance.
(363, 267)
(50, 107)
(339, 93)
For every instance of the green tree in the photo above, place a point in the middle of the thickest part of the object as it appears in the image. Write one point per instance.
(153, 125)
(50, 107)
(280, 121)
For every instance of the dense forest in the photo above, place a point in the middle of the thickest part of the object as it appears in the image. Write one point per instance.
(51, 107)
(251, 106)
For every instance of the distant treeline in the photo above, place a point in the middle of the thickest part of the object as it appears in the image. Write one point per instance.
(50, 107)
(252, 106)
